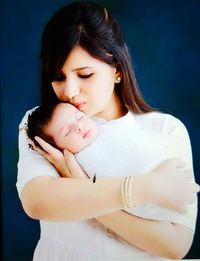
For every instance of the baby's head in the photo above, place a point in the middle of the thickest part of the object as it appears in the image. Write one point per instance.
(63, 126)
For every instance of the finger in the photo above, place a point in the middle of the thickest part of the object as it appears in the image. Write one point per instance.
(68, 154)
(69, 158)
(187, 173)
(42, 152)
(29, 141)
(75, 169)
(171, 163)
(45, 145)
(177, 162)
(67, 173)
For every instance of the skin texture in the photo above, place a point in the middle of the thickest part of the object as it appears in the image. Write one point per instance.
(95, 95)
(70, 128)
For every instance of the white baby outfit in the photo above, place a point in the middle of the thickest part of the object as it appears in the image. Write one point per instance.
(127, 146)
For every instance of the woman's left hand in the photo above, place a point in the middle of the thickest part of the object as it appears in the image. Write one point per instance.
(65, 162)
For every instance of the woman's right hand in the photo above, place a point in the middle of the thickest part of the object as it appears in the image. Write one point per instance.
(65, 162)
(169, 185)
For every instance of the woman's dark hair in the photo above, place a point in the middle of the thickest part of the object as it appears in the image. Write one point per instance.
(37, 122)
(91, 27)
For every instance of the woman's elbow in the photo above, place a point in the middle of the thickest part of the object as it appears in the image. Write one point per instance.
(177, 254)
(32, 205)
(33, 209)
(178, 248)
(34, 201)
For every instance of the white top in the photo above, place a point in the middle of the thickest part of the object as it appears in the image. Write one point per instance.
(89, 240)
(132, 145)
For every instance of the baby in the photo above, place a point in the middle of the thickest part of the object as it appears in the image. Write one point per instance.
(104, 148)
(63, 126)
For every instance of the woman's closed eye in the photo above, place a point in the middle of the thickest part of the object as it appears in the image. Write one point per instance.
(85, 76)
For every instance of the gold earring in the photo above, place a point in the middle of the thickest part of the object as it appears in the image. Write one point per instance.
(118, 79)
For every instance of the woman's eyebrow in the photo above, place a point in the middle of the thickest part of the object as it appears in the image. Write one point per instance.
(82, 68)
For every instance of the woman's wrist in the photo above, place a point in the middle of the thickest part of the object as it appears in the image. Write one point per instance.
(139, 189)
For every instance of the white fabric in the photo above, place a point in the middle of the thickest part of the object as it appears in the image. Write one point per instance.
(89, 240)
(31, 164)
(135, 144)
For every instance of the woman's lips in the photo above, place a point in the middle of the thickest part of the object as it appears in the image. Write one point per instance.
(80, 105)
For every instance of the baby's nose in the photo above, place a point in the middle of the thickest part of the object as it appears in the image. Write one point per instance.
(79, 127)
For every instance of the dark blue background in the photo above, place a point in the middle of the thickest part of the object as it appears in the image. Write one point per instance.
(163, 37)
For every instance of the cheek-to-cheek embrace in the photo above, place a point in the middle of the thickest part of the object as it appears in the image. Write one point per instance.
(87, 83)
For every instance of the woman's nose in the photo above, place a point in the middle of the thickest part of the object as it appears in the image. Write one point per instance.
(70, 90)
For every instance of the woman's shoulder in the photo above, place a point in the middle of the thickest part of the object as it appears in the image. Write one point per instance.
(159, 120)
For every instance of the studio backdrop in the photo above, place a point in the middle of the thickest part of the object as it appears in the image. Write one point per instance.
(163, 38)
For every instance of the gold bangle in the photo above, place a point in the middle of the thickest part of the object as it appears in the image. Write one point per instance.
(122, 192)
(130, 192)
(126, 192)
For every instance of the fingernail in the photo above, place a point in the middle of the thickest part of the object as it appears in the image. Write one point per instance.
(30, 146)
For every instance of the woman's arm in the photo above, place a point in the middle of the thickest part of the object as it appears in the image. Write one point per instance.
(66, 199)
(52, 199)
(160, 238)
(72, 199)
(69, 199)
(166, 239)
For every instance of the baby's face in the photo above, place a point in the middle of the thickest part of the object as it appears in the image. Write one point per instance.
(71, 129)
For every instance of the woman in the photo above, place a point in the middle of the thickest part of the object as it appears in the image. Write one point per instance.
(86, 62)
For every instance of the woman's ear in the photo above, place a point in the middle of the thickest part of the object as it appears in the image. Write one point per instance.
(118, 76)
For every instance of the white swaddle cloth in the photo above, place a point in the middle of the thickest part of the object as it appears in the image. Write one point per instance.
(125, 147)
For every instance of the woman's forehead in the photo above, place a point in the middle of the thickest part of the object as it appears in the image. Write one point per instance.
(78, 59)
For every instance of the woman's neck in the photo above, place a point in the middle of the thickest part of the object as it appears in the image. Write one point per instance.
(113, 110)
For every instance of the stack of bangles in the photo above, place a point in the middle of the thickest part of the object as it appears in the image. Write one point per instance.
(126, 192)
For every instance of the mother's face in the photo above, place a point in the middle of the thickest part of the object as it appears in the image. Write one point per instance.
(88, 84)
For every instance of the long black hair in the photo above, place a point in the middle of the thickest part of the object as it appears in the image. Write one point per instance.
(91, 27)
